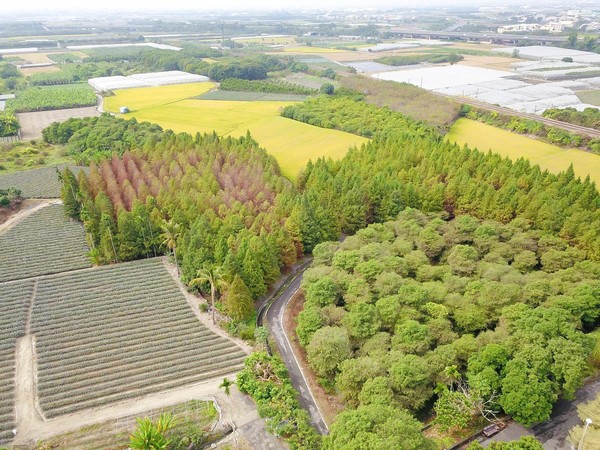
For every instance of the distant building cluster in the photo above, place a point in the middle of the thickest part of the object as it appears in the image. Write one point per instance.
(572, 19)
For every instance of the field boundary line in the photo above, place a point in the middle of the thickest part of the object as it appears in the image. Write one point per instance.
(23, 214)
(191, 300)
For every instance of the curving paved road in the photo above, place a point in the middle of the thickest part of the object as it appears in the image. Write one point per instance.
(274, 318)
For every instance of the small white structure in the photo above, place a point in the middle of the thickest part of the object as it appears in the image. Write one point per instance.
(123, 109)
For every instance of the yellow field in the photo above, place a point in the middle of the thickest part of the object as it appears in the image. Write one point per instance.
(141, 98)
(549, 157)
(292, 143)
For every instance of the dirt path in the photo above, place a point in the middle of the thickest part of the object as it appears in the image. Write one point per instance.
(28, 419)
(194, 302)
(31, 427)
(35, 205)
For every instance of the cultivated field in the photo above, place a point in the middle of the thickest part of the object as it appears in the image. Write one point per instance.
(114, 434)
(14, 301)
(43, 243)
(142, 98)
(514, 146)
(117, 332)
(251, 96)
(591, 97)
(37, 183)
(44, 98)
(292, 143)
(32, 123)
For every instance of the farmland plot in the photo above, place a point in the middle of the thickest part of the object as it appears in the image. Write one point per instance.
(14, 301)
(43, 243)
(37, 183)
(117, 332)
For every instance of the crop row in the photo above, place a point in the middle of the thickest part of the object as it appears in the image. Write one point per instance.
(142, 336)
(113, 332)
(7, 388)
(127, 356)
(37, 183)
(108, 317)
(87, 304)
(44, 242)
(51, 396)
(131, 366)
(77, 339)
(52, 97)
(72, 404)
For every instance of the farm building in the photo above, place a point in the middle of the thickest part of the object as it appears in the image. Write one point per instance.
(145, 80)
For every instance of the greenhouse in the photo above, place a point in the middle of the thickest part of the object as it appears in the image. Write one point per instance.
(145, 80)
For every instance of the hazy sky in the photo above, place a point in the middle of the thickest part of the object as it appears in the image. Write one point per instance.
(30, 6)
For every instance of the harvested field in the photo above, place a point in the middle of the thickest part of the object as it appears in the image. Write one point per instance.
(14, 301)
(34, 58)
(32, 123)
(490, 62)
(43, 243)
(43, 69)
(118, 332)
(37, 183)
(514, 146)
(413, 101)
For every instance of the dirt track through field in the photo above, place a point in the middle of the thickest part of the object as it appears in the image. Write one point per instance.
(26, 212)
(28, 418)
(237, 409)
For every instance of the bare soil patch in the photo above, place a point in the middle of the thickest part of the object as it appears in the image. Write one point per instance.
(32, 123)
(330, 405)
(43, 69)
(490, 62)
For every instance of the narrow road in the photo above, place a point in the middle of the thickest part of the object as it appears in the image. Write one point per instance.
(274, 317)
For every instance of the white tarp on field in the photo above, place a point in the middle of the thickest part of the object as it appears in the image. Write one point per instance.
(546, 52)
(444, 76)
(145, 80)
(495, 87)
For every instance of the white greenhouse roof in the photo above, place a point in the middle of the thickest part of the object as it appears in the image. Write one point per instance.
(145, 80)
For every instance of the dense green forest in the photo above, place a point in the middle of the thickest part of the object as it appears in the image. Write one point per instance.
(589, 117)
(400, 169)
(97, 138)
(218, 201)
(405, 306)
(351, 114)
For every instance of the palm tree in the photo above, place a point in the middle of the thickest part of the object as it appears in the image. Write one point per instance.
(169, 236)
(226, 385)
(212, 275)
(151, 435)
